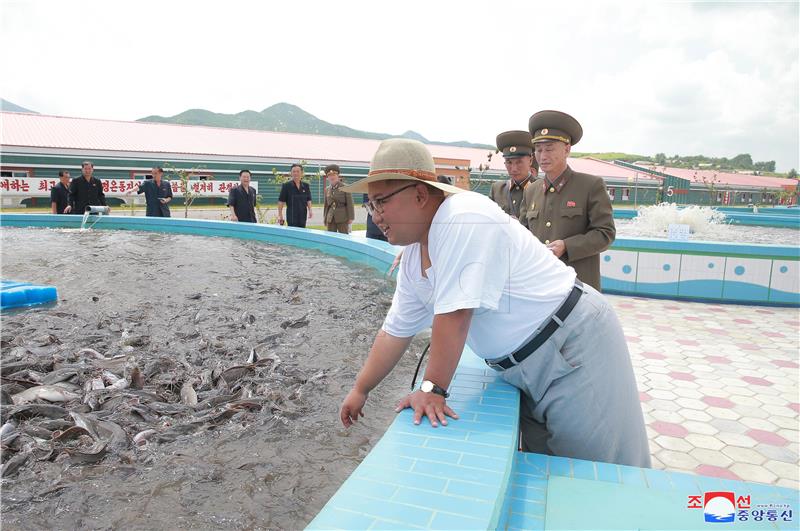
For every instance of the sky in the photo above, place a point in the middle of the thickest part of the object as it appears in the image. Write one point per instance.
(716, 78)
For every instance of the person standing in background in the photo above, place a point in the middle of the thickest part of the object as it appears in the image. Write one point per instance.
(242, 200)
(569, 212)
(338, 211)
(86, 191)
(296, 197)
(59, 194)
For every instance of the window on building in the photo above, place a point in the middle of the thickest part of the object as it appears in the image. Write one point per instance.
(612, 192)
(626, 194)
(15, 173)
(720, 195)
(141, 175)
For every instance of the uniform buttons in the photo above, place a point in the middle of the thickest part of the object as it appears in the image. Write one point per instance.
(552, 189)
(547, 224)
(546, 242)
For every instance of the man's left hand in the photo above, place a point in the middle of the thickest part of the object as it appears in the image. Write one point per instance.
(557, 247)
(430, 405)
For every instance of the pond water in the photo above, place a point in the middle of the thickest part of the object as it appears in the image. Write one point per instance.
(705, 224)
(215, 437)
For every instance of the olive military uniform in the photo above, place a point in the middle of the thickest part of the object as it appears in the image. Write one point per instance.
(576, 209)
(572, 207)
(338, 210)
(508, 194)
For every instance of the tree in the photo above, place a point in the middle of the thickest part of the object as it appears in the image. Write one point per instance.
(710, 182)
(743, 161)
(190, 193)
(792, 174)
(660, 159)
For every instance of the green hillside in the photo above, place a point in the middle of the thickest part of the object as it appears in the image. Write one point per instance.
(287, 118)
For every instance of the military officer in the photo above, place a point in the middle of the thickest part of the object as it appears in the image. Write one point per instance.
(517, 151)
(569, 212)
(338, 210)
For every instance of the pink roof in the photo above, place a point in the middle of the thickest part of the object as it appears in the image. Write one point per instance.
(726, 178)
(58, 132)
(34, 130)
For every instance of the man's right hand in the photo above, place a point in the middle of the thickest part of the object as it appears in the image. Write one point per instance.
(281, 221)
(234, 218)
(67, 209)
(351, 407)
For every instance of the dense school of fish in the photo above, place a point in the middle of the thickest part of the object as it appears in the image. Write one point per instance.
(83, 406)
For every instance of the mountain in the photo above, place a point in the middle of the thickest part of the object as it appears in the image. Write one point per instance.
(7, 106)
(286, 118)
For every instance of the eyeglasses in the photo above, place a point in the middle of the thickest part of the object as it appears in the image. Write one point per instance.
(376, 205)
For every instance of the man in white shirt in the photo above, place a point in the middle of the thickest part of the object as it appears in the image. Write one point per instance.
(477, 277)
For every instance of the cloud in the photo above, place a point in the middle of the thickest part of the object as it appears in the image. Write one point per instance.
(717, 79)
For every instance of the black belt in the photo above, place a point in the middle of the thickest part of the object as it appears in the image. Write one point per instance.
(538, 340)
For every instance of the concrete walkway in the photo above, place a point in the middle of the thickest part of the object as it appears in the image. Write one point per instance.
(718, 386)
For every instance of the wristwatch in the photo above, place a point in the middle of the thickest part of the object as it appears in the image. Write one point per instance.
(430, 387)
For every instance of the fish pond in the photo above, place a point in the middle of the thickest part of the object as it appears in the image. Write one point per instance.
(183, 381)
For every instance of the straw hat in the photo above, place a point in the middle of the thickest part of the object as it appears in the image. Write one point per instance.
(404, 160)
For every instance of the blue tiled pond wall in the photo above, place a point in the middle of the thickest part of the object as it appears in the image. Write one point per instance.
(463, 476)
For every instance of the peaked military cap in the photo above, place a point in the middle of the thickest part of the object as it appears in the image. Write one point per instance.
(546, 126)
(515, 144)
(332, 167)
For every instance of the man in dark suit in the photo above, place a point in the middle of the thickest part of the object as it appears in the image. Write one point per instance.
(59, 194)
(569, 212)
(86, 191)
(296, 197)
(242, 200)
(158, 193)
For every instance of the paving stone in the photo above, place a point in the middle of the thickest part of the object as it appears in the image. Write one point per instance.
(669, 428)
(783, 470)
(691, 403)
(755, 473)
(666, 416)
(711, 457)
(701, 428)
(715, 471)
(744, 455)
(664, 395)
(782, 411)
(789, 435)
(688, 393)
(673, 443)
(785, 422)
(777, 453)
(767, 437)
(758, 424)
(695, 415)
(753, 412)
(667, 406)
(752, 401)
(721, 413)
(738, 439)
(705, 441)
(677, 460)
(718, 401)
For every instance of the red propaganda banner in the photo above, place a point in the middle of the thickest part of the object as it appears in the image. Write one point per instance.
(35, 187)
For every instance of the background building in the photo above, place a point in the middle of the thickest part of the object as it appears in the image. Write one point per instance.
(38, 146)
